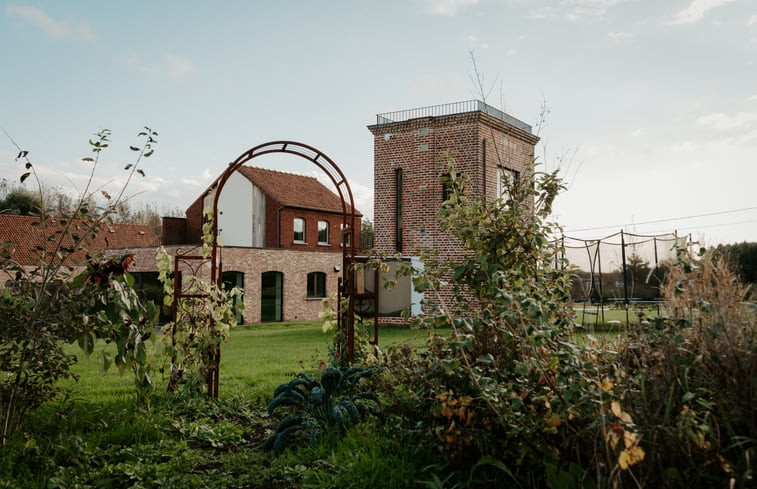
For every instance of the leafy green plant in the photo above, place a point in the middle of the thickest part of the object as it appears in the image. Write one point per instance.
(325, 408)
(509, 393)
(193, 340)
(41, 307)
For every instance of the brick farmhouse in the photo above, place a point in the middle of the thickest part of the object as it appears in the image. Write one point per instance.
(281, 237)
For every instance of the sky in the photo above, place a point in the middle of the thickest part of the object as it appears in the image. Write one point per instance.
(652, 105)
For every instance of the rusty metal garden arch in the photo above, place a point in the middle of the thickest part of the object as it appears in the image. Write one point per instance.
(346, 287)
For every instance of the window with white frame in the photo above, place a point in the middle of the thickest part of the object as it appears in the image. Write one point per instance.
(299, 230)
(323, 232)
(507, 180)
(316, 285)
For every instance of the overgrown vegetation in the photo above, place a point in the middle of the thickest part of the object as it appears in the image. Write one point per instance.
(691, 381)
(204, 317)
(44, 305)
(508, 396)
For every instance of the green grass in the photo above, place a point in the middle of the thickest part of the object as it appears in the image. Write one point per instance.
(591, 315)
(97, 433)
(254, 361)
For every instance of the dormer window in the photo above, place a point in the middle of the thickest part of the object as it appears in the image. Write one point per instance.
(299, 230)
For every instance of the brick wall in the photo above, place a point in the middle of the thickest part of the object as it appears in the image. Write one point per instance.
(287, 216)
(174, 230)
(293, 264)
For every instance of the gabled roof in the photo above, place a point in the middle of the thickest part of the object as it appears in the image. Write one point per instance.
(27, 237)
(294, 190)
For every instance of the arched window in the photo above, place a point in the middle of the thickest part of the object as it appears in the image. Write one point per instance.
(316, 285)
(299, 230)
(323, 232)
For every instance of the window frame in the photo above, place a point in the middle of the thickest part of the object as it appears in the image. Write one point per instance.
(327, 230)
(504, 191)
(295, 232)
(316, 285)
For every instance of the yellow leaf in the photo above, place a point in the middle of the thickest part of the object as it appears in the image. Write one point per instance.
(554, 420)
(618, 412)
(630, 438)
(615, 407)
(630, 456)
(607, 385)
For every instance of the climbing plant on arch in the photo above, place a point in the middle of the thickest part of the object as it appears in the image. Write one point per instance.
(346, 287)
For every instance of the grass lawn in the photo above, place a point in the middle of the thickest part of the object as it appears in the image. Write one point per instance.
(98, 435)
(254, 362)
(590, 315)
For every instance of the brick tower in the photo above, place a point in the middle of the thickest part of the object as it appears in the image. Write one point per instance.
(412, 149)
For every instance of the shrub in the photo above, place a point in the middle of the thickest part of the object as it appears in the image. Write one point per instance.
(43, 306)
(692, 380)
(508, 396)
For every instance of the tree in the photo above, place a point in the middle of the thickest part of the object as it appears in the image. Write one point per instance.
(743, 259)
(20, 201)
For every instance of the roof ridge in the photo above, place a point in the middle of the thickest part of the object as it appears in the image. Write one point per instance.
(280, 171)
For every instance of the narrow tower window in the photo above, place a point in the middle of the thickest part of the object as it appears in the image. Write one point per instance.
(398, 209)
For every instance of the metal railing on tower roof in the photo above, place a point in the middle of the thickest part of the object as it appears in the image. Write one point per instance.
(450, 109)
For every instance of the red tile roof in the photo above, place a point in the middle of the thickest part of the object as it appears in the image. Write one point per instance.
(26, 238)
(293, 190)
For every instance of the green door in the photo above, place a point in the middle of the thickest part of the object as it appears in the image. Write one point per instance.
(272, 295)
(231, 280)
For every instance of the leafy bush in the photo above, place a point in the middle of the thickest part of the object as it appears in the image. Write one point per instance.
(325, 408)
(508, 396)
(43, 306)
(691, 381)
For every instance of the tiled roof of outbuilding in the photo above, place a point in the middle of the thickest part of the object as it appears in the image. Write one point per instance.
(26, 238)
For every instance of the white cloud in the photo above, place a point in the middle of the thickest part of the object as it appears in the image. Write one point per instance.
(136, 63)
(54, 29)
(753, 97)
(637, 133)
(620, 36)
(474, 41)
(449, 8)
(174, 67)
(752, 20)
(697, 10)
(725, 122)
(576, 10)
(177, 67)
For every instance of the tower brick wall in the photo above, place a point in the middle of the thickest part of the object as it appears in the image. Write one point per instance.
(420, 150)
